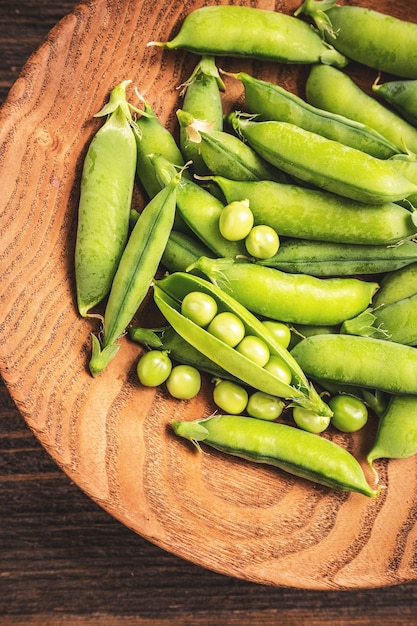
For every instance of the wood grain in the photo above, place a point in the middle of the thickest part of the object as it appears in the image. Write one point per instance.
(108, 435)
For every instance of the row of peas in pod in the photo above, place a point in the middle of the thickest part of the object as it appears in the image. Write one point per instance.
(290, 215)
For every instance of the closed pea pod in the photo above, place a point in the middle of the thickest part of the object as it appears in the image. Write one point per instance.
(397, 285)
(135, 273)
(293, 450)
(367, 36)
(182, 250)
(297, 298)
(396, 436)
(313, 214)
(402, 94)
(323, 162)
(168, 294)
(225, 154)
(251, 32)
(360, 361)
(336, 92)
(322, 258)
(202, 100)
(154, 138)
(105, 201)
(272, 102)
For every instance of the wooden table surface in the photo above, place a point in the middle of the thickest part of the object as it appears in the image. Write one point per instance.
(63, 560)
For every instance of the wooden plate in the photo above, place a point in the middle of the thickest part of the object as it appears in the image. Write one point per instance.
(109, 435)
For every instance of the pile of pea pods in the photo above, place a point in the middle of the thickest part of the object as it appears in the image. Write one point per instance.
(286, 233)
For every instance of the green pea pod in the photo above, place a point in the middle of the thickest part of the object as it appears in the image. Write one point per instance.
(199, 209)
(105, 200)
(367, 36)
(202, 100)
(399, 320)
(313, 214)
(272, 102)
(291, 449)
(135, 273)
(402, 94)
(333, 90)
(169, 293)
(296, 298)
(181, 251)
(401, 283)
(323, 258)
(362, 361)
(323, 162)
(167, 339)
(251, 32)
(396, 436)
(154, 138)
(225, 154)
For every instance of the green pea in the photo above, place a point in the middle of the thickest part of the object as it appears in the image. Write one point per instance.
(254, 349)
(272, 102)
(325, 163)
(228, 328)
(278, 368)
(262, 242)
(368, 36)
(184, 382)
(291, 449)
(105, 201)
(280, 331)
(361, 361)
(153, 368)
(135, 273)
(264, 406)
(337, 93)
(310, 421)
(296, 298)
(199, 307)
(230, 397)
(251, 32)
(312, 214)
(236, 221)
(349, 413)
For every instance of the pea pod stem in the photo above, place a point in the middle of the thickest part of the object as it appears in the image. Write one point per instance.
(168, 294)
(135, 273)
(288, 448)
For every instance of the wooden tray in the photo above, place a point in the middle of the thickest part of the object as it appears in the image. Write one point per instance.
(109, 435)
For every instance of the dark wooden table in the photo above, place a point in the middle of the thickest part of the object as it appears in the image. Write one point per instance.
(63, 560)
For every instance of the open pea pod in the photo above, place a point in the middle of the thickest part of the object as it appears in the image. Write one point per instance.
(168, 295)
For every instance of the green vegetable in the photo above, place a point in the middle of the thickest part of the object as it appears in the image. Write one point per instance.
(295, 211)
(323, 162)
(264, 406)
(310, 421)
(184, 382)
(293, 450)
(297, 298)
(396, 437)
(402, 94)
(262, 242)
(168, 295)
(333, 90)
(349, 413)
(272, 102)
(153, 368)
(230, 397)
(251, 32)
(105, 200)
(360, 361)
(135, 273)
